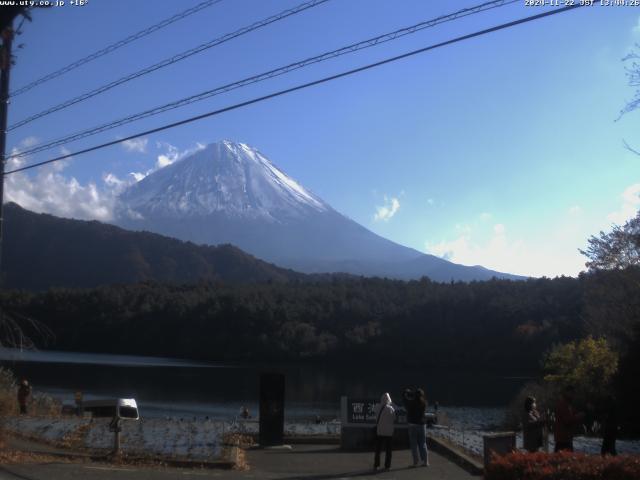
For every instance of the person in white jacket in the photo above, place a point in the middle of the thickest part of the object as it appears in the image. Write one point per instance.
(386, 417)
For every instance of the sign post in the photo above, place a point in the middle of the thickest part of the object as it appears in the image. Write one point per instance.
(271, 409)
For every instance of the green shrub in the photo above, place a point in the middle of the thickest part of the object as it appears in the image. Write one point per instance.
(587, 365)
(562, 466)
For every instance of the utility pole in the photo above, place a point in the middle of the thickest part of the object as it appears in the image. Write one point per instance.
(5, 66)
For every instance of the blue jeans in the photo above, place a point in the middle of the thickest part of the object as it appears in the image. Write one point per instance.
(418, 442)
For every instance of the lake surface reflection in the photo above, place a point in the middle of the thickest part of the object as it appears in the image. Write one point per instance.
(169, 387)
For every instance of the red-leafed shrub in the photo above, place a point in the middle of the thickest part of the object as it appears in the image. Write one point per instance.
(563, 466)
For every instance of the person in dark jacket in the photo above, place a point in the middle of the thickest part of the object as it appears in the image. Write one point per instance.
(416, 404)
(532, 426)
(567, 421)
(24, 392)
(609, 421)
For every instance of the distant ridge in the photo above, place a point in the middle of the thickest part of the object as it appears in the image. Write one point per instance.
(42, 251)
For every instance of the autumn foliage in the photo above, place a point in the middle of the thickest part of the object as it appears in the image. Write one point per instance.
(563, 466)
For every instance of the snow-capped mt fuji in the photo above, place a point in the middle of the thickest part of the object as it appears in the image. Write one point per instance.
(230, 193)
(227, 178)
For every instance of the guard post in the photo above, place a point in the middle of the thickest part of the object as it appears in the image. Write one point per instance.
(498, 444)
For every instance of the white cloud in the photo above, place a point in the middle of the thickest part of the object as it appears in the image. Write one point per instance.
(496, 251)
(546, 251)
(138, 175)
(136, 145)
(62, 164)
(431, 202)
(116, 185)
(388, 210)
(164, 161)
(29, 142)
(48, 191)
(630, 205)
(502, 253)
(172, 154)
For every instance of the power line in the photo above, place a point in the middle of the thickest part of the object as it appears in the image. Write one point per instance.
(115, 46)
(267, 75)
(171, 60)
(303, 86)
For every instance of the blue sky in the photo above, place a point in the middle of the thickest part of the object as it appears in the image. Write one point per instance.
(501, 151)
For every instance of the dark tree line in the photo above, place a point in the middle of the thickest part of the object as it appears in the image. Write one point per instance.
(499, 324)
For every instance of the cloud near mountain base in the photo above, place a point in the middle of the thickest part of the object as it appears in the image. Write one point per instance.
(49, 190)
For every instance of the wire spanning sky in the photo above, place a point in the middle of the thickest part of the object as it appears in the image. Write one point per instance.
(500, 151)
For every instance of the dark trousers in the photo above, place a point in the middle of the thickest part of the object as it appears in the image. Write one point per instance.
(23, 409)
(380, 441)
(608, 446)
(564, 446)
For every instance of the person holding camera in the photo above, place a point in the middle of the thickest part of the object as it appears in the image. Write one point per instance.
(532, 426)
(416, 404)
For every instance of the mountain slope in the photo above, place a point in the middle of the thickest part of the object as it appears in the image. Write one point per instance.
(41, 251)
(230, 193)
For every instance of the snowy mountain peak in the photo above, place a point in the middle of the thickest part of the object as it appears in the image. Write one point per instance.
(229, 178)
(229, 192)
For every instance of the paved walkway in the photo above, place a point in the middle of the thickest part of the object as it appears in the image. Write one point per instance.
(308, 462)
(317, 462)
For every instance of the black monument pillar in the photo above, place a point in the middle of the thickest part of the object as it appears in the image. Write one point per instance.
(271, 409)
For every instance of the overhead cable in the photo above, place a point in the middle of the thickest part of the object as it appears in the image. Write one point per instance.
(266, 75)
(236, 106)
(169, 61)
(114, 46)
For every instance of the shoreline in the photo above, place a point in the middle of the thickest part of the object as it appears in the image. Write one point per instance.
(205, 440)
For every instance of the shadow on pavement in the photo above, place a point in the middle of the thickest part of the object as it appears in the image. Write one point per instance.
(360, 473)
(15, 474)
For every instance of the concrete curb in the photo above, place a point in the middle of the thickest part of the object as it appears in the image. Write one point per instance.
(456, 455)
(305, 439)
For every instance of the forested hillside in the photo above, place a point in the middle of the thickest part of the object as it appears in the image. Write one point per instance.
(42, 251)
(500, 324)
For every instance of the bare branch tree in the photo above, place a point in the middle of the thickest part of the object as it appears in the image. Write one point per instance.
(632, 70)
(630, 148)
(615, 250)
(20, 331)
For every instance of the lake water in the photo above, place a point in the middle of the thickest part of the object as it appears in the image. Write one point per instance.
(178, 388)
